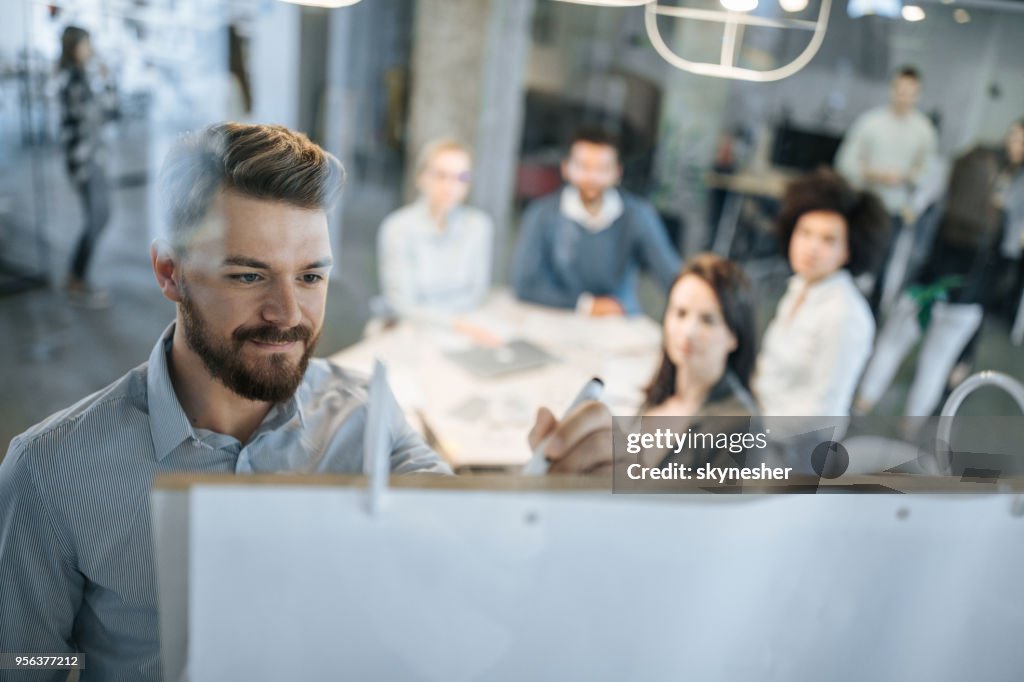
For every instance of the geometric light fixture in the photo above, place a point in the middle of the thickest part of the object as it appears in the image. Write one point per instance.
(733, 24)
(609, 3)
(879, 8)
(329, 4)
(739, 5)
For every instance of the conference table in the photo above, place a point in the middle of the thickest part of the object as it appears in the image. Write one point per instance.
(483, 422)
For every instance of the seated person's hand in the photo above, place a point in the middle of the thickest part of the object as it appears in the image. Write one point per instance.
(890, 178)
(606, 305)
(480, 335)
(580, 444)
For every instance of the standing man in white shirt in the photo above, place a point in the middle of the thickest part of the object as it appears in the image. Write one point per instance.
(887, 151)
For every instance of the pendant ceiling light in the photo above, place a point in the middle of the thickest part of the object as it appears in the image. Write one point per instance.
(329, 4)
(733, 24)
(609, 3)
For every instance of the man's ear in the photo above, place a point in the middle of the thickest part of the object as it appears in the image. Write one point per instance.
(565, 170)
(166, 268)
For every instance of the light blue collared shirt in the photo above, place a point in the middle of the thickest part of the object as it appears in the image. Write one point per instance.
(432, 275)
(76, 558)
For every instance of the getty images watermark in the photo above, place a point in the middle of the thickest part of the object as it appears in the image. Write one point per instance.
(817, 454)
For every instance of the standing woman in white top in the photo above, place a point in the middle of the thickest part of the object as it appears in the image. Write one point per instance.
(435, 254)
(816, 346)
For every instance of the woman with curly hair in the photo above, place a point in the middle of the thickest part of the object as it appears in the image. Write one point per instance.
(815, 348)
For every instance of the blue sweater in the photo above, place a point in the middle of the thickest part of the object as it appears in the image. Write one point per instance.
(556, 259)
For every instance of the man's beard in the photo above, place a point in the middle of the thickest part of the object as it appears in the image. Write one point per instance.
(274, 380)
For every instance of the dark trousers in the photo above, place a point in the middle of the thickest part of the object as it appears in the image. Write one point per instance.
(875, 299)
(95, 196)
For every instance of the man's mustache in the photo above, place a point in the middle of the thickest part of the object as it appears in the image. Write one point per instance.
(272, 334)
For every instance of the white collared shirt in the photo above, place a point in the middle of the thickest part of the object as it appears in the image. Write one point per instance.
(812, 357)
(572, 207)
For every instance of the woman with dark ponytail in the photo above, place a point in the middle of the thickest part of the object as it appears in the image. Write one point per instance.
(817, 345)
(84, 109)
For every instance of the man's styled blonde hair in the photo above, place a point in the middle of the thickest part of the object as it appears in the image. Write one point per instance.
(259, 161)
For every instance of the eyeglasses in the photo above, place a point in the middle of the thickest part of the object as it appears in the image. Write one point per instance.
(463, 177)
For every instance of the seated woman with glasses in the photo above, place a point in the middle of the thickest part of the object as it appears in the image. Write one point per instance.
(435, 254)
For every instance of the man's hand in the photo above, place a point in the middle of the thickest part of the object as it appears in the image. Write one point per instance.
(580, 444)
(606, 305)
(888, 178)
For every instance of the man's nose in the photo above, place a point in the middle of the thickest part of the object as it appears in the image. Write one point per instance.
(281, 307)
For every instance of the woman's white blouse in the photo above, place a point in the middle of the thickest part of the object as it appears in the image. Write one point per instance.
(812, 360)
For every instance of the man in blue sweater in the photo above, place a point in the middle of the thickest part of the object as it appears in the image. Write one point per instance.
(581, 247)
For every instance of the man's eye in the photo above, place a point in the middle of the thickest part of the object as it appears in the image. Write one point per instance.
(312, 278)
(246, 277)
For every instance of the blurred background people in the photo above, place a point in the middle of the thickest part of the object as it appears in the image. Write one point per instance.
(86, 103)
(816, 346)
(240, 84)
(886, 151)
(372, 82)
(982, 218)
(435, 254)
(581, 247)
(1010, 200)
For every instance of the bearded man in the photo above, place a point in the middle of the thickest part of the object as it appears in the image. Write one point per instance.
(229, 387)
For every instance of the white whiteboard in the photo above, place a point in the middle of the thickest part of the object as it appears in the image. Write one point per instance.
(301, 583)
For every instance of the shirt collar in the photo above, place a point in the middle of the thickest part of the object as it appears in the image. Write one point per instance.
(167, 421)
(572, 207)
(838, 279)
(429, 227)
(168, 424)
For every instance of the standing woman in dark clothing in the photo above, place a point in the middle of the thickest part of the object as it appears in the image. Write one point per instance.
(84, 110)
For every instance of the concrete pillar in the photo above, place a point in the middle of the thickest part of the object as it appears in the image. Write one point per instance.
(468, 68)
(338, 124)
(447, 54)
(499, 129)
